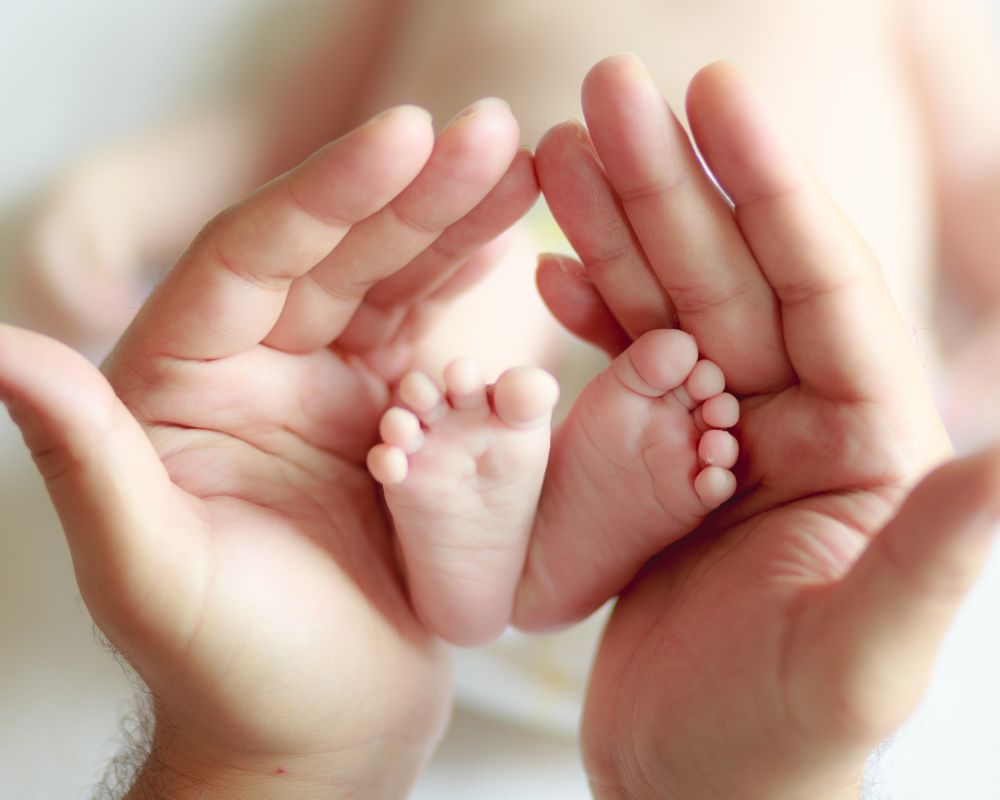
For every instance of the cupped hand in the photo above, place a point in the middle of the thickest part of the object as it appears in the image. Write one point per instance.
(768, 652)
(225, 533)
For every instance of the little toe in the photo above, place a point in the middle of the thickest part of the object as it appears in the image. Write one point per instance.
(657, 362)
(422, 395)
(466, 388)
(721, 411)
(718, 449)
(714, 486)
(706, 380)
(523, 397)
(388, 464)
(401, 428)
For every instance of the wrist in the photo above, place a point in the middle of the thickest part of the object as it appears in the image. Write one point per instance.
(721, 778)
(178, 768)
(175, 773)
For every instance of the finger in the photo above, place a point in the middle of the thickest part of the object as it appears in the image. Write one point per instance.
(684, 226)
(228, 290)
(874, 642)
(470, 157)
(590, 215)
(384, 308)
(125, 522)
(842, 332)
(575, 302)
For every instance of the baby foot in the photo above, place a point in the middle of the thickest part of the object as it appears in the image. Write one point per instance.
(462, 474)
(639, 462)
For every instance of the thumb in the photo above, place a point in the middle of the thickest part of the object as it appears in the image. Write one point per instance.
(883, 626)
(111, 491)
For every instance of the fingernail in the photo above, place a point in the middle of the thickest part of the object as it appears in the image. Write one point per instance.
(404, 109)
(580, 131)
(475, 108)
(568, 265)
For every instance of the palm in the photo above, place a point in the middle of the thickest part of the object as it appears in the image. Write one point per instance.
(290, 543)
(715, 625)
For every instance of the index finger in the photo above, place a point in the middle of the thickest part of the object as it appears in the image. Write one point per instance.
(227, 291)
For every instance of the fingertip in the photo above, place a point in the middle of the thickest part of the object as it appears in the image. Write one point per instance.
(611, 68)
(407, 128)
(489, 124)
(714, 74)
(567, 267)
(403, 114)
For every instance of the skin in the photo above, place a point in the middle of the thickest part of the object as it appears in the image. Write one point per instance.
(796, 628)
(919, 178)
(225, 533)
(785, 619)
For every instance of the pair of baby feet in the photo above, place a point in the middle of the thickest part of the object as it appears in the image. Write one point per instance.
(492, 528)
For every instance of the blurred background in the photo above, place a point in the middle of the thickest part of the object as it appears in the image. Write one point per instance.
(125, 126)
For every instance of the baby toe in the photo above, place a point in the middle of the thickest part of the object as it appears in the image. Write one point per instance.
(401, 428)
(721, 411)
(422, 395)
(657, 362)
(706, 380)
(388, 464)
(523, 397)
(718, 449)
(714, 485)
(466, 388)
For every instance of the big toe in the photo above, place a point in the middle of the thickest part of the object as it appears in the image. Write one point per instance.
(524, 397)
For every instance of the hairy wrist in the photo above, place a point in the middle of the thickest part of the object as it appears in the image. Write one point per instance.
(174, 765)
(175, 770)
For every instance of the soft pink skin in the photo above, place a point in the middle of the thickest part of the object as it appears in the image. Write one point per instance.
(625, 479)
(225, 533)
(463, 494)
(796, 615)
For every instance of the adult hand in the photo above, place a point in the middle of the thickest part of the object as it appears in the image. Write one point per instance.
(767, 653)
(225, 533)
